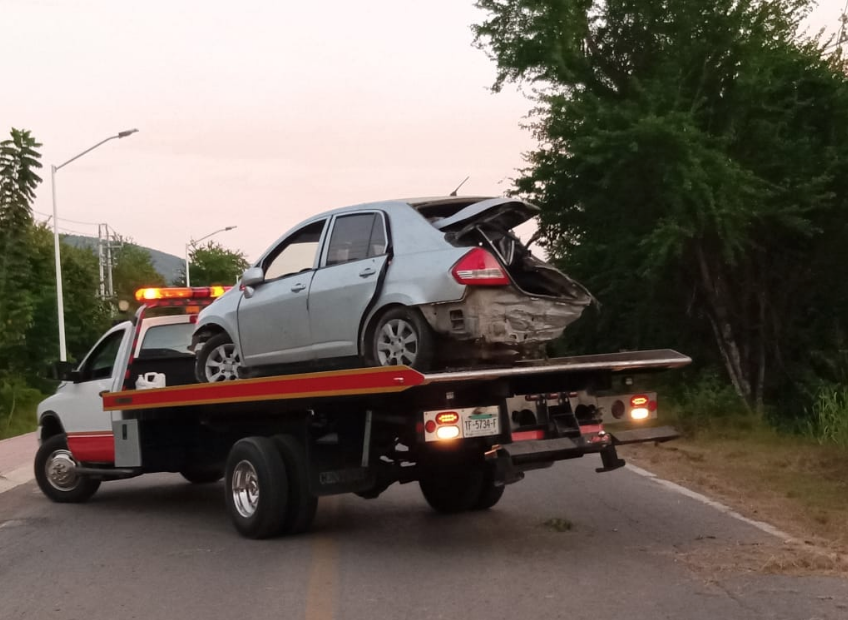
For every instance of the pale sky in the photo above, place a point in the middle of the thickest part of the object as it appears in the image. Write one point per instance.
(257, 113)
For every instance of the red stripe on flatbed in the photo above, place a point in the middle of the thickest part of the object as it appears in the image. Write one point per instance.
(309, 385)
(527, 435)
(96, 447)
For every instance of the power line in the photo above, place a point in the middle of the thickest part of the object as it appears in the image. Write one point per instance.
(64, 219)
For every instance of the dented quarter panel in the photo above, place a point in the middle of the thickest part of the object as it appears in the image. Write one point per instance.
(504, 316)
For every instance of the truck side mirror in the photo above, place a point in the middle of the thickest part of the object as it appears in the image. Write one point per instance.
(253, 276)
(64, 371)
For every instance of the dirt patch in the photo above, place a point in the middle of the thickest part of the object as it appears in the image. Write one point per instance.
(716, 561)
(798, 487)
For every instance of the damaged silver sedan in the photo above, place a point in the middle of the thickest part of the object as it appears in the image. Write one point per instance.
(426, 283)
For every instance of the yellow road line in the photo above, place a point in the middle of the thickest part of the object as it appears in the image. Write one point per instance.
(324, 568)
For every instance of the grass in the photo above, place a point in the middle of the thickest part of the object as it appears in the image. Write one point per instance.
(17, 408)
(792, 482)
(559, 525)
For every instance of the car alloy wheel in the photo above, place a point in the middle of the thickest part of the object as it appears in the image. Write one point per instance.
(397, 343)
(223, 363)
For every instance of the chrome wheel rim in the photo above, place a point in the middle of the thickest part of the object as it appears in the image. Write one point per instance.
(222, 364)
(245, 489)
(397, 343)
(60, 470)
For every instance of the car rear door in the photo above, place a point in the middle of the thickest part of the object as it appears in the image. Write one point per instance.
(343, 288)
(273, 318)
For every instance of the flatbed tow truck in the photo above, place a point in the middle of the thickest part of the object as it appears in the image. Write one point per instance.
(281, 442)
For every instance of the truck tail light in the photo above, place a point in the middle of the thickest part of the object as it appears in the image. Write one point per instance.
(447, 417)
(479, 268)
(638, 401)
(447, 432)
(639, 413)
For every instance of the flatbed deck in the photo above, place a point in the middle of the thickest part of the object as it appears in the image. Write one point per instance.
(383, 380)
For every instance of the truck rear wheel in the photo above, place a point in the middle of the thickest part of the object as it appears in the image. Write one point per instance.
(54, 472)
(256, 488)
(302, 505)
(490, 494)
(452, 491)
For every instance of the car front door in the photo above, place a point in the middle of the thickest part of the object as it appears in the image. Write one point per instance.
(344, 286)
(273, 319)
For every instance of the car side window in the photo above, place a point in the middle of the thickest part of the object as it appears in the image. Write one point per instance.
(101, 362)
(378, 243)
(295, 254)
(351, 238)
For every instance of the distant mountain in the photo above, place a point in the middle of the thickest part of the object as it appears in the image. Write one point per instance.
(168, 265)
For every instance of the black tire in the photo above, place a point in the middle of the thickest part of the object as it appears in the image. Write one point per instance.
(302, 505)
(452, 491)
(410, 319)
(202, 475)
(256, 463)
(490, 494)
(208, 347)
(52, 458)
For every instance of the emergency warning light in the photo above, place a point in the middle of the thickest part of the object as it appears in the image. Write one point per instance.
(194, 292)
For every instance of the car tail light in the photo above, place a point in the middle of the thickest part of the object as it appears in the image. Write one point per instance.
(479, 268)
(447, 417)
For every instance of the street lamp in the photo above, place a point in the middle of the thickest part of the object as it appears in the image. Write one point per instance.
(191, 243)
(60, 303)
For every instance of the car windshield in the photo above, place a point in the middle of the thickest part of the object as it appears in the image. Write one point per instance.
(164, 340)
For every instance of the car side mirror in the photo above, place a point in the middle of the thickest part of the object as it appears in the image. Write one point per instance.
(253, 276)
(64, 371)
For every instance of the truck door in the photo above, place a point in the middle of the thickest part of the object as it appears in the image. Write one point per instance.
(88, 427)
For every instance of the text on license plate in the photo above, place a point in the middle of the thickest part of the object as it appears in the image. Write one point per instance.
(479, 425)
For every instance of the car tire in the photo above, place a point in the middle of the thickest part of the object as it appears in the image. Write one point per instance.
(53, 463)
(256, 490)
(401, 336)
(302, 505)
(452, 491)
(219, 348)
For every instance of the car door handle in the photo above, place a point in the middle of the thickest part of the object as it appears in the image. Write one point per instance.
(298, 287)
(368, 271)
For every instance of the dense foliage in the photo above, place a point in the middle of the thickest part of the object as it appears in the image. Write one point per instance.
(692, 169)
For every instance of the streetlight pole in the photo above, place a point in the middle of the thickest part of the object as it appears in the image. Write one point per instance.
(191, 243)
(60, 302)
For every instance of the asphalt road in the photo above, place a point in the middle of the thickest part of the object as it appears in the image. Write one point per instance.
(158, 548)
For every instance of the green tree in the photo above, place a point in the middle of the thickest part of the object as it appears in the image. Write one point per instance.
(86, 315)
(19, 161)
(213, 264)
(691, 169)
(133, 269)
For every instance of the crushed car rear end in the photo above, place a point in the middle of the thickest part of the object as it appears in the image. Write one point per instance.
(513, 303)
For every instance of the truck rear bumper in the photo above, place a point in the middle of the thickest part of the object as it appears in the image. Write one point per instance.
(512, 459)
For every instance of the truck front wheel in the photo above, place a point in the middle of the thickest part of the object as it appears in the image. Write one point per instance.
(257, 487)
(55, 473)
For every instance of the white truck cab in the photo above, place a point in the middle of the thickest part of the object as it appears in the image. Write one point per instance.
(77, 406)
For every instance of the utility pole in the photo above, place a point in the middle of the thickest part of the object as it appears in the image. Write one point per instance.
(101, 257)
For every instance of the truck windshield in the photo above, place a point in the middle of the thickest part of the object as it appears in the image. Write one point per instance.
(165, 340)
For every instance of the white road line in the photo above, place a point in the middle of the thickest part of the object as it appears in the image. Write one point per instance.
(16, 477)
(760, 525)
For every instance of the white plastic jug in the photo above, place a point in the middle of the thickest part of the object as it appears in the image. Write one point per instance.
(150, 380)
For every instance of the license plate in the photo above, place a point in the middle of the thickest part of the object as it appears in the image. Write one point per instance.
(479, 425)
